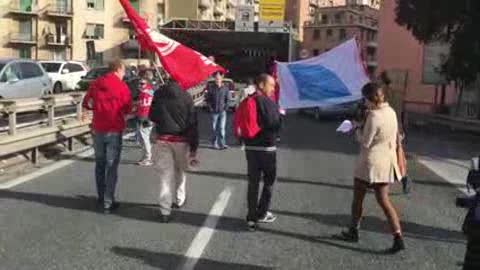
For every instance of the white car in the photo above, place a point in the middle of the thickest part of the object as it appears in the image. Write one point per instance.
(65, 75)
(22, 78)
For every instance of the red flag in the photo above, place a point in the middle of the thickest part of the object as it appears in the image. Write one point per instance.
(186, 66)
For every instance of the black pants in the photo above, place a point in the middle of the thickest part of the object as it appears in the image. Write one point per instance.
(260, 163)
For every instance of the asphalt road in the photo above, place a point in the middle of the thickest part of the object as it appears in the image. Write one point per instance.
(51, 223)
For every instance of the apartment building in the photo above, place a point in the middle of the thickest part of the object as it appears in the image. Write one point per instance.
(334, 25)
(60, 29)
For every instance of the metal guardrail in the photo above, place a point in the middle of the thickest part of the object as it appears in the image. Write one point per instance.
(26, 137)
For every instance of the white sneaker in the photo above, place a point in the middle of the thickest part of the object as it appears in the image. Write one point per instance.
(252, 226)
(268, 218)
(145, 163)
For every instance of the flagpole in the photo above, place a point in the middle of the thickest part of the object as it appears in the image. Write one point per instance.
(158, 71)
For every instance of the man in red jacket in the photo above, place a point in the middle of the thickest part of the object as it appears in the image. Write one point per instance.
(110, 100)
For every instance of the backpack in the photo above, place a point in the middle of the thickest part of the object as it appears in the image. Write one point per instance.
(245, 123)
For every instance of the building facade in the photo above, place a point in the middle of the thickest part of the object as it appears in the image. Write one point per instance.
(60, 29)
(331, 26)
(400, 53)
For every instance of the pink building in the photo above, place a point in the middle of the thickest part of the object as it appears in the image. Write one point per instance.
(399, 51)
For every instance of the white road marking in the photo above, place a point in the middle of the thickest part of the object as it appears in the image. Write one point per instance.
(202, 238)
(451, 170)
(85, 152)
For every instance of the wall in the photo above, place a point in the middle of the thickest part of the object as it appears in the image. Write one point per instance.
(398, 49)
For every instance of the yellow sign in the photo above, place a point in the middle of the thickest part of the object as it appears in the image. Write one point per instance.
(272, 10)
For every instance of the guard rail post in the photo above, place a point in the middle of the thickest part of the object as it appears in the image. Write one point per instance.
(49, 106)
(77, 100)
(10, 108)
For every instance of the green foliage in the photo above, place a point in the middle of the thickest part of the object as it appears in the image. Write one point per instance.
(456, 22)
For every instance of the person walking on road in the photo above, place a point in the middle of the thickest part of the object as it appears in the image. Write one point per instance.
(377, 164)
(144, 124)
(217, 101)
(109, 99)
(261, 150)
(176, 132)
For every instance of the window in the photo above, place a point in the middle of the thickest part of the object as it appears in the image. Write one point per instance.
(316, 52)
(25, 53)
(11, 73)
(324, 18)
(30, 70)
(51, 67)
(329, 32)
(94, 31)
(76, 68)
(95, 4)
(316, 34)
(338, 18)
(342, 34)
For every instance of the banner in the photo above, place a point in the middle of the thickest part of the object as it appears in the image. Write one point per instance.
(272, 10)
(245, 18)
(186, 66)
(334, 77)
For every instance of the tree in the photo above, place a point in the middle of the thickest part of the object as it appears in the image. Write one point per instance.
(453, 21)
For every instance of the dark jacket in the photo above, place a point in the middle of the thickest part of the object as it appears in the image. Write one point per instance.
(269, 121)
(109, 99)
(217, 98)
(173, 113)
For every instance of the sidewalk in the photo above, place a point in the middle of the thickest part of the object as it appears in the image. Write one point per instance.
(446, 154)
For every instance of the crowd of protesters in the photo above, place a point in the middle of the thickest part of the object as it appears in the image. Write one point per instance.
(166, 115)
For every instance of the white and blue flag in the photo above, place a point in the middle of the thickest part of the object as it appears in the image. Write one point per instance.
(334, 77)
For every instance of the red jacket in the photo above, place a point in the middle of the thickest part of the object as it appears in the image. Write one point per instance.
(144, 101)
(110, 100)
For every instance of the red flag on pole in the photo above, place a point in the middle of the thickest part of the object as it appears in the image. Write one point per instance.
(186, 66)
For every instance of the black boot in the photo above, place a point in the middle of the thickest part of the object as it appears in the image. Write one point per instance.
(406, 184)
(349, 236)
(398, 245)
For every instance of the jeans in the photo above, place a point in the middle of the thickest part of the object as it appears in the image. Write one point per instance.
(171, 163)
(260, 163)
(108, 148)
(145, 141)
(219, 121)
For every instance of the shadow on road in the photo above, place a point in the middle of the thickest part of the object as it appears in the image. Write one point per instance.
(375, 224)
(243, 177)
(173, 261)
(129, 210)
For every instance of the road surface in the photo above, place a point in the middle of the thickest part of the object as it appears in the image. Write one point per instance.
(51, 222)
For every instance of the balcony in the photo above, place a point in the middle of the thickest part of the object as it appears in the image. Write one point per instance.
(205, 4)
(59, 40)
(314, 3)
(60, 10)
(22, 38)
(17, 7)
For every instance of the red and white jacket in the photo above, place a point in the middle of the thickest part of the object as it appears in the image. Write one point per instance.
(144, 101)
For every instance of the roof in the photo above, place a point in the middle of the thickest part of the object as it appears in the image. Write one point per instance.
(5, 60)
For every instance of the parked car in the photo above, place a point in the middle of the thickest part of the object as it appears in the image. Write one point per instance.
(22, 78)
(91, 75)
(233, 92)
(345, 110)
(65, 75)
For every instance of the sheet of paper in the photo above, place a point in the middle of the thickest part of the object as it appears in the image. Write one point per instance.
(345, 127)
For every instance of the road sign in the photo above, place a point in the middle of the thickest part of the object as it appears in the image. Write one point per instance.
(434, 56)
(272, 10)
(245, 18)
(274, 26)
